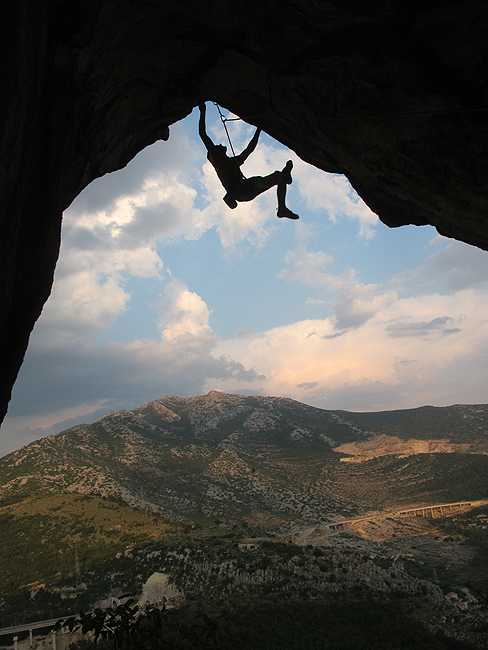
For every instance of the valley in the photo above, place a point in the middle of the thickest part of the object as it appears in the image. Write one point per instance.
(402, 568)
(245, 505)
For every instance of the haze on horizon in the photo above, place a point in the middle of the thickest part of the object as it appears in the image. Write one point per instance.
(161, 289)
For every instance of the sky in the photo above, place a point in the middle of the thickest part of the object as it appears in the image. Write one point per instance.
(161, 289)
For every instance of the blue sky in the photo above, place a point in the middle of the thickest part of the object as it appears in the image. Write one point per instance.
(161, 289)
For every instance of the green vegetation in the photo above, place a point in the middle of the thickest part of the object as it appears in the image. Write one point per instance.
(471, 528)
(40, 535)
(132, 627)
(436, 478)
(453, 555)
(268, 625)
(472, 525)
(459, 423)
(263, 593)
(346, 624)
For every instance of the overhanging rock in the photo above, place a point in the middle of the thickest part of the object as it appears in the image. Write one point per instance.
(392, 94)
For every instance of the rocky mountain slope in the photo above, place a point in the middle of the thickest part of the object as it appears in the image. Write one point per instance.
(267, 459)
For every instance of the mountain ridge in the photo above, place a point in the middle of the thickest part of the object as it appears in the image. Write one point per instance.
(233, 457)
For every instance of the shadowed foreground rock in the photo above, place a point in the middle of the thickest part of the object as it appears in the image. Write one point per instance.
(392, 94)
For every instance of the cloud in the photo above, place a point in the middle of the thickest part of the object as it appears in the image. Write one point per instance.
(308, 385)
(363, 395)
(314, 301)
(246, 333)
(335, 335)
(333, 194)
(155, 199)
(410, 328)
(462, 265)
(354, 302)
(181, 312)
(407, 370)
(83, 375)
(308, 267)
(454, 267)
(115, 230)
(368, 369)
(83, 302)
(111, 232)
(178, 155)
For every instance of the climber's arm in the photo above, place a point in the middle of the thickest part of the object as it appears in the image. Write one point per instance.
(250, 147)
(201, 128)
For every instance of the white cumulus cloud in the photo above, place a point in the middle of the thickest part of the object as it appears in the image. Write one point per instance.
(367, 369)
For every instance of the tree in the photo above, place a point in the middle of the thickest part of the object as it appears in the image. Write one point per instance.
(131, 627)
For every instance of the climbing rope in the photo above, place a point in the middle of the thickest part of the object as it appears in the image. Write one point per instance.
(224, 120)
(336, 118)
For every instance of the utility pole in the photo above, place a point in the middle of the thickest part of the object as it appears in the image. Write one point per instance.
(78, 572)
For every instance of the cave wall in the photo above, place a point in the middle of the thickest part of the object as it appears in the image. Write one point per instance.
(392, 94)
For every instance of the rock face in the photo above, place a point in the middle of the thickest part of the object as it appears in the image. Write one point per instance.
(394, 95)
(387, 445)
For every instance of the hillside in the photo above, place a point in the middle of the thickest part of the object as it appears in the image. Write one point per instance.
(270, 594)
(42, 536)
(264, 459)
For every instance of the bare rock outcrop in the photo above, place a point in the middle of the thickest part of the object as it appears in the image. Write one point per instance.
(391, 445)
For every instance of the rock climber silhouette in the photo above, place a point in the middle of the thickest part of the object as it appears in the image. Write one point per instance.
(237, 186)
